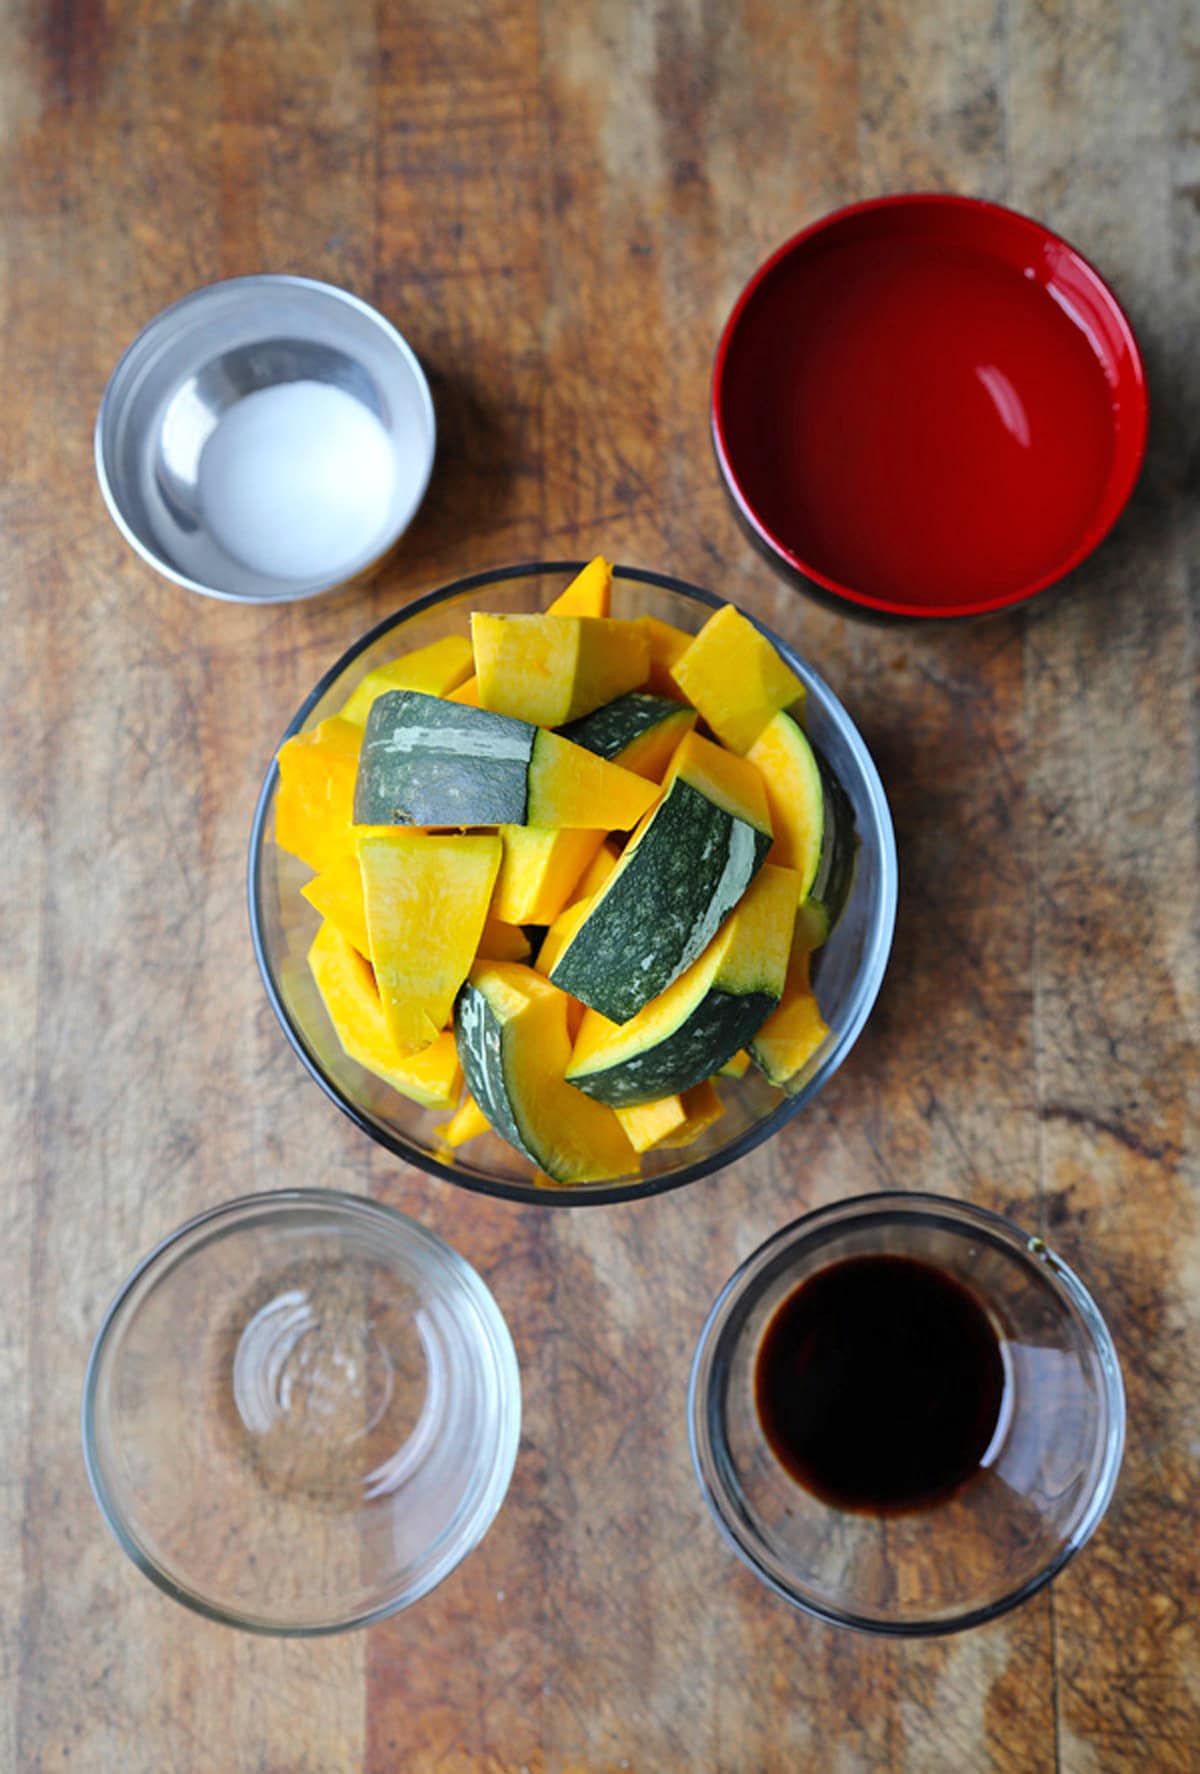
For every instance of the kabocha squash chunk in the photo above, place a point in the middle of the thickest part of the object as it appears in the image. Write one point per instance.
(511, 1027)
(314, 807)
(647, 1125)
(813, 820)
(588, 594)
(428, 761)
(572, 787)
(597, 871)
(467, 693)
(502, 942)
(666, 643)
(639, 731)
(792, 1033)
(702, 1106)
(337, 893)
(467, 1122)
(438, 668)
(734, 676)
(347, 988)
(681, 874)
(539, 870)
(682, 1037)
(426, 898)
(560, 933)
(551, 669)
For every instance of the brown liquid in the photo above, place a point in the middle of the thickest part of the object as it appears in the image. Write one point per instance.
(878, 1384)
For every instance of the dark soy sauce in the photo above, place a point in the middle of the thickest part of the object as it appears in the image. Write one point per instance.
(878, 1384)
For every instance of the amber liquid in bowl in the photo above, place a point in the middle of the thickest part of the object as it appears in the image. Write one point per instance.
(879, 1384)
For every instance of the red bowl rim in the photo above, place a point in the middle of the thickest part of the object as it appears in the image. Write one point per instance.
(1108, 509)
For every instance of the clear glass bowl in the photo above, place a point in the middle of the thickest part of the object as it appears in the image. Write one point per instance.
(301, 1412)
(1046, 1478)
(847, 972)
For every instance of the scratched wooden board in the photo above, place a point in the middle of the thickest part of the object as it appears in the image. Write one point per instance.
(558, 204)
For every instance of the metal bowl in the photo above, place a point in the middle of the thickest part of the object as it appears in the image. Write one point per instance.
(205, 380)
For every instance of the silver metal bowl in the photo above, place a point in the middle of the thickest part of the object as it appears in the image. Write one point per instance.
(200, 361)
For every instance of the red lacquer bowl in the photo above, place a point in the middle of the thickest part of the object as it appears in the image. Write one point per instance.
(929, 406)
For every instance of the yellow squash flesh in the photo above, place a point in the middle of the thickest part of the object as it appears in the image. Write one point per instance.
(467, 1123)
(552, 669)
(666, 643)
(569, 786)
(426, 900)
(348, 991)
(729, 782)
(734, 676)
(539, 871)
(437, 669)
(315, 804)
(588, 594)
(701, 1107)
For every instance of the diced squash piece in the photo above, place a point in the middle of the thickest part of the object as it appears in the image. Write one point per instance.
(426, 900)
(314, 807)
(813, 820)
(736, 1066)
(467, 693)
(702, 1106)
(437, 669)
(511, 1027)
(560, 933)
(638, 731)
(666, 643)
(347, 988)
(734, 676)
(679, 877)
(551, 669)
(687, 1033)
(588, 594)
(539, 870)
(572, 787)
(649, 1124)
(427, 761)
(502, 942)
(727, 781)
(337, 893)
(467, 1122)
(787, 1040)
(597, 871)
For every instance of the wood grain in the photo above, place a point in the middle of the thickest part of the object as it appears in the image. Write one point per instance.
(558, 204)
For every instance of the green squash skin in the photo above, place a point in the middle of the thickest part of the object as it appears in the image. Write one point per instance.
(720, 1024)
(839, 848)
(479, 1037)
(659, 910)
(428, 761)
(608, 730)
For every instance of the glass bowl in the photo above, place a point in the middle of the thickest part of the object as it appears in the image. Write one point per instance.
(301, 1412)
(1043, 1482)
(847, 971)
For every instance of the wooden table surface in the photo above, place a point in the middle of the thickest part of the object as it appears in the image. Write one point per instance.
(557, 204)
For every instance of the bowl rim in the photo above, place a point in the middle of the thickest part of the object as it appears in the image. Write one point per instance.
(196, 298)
(871, 972)
(499, 1343)
(846, 597)
(884, 1207)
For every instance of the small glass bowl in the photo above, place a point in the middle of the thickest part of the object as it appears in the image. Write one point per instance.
(301, 1412)
(1046, 1478)
(847, 972)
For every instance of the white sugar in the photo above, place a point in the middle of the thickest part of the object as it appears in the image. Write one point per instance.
(298, 481)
